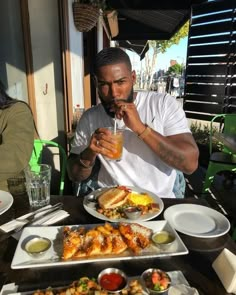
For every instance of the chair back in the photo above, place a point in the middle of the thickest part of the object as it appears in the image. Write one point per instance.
(36, 158)
(227, 126)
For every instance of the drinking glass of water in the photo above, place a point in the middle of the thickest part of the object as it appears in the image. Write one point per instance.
(38, 179)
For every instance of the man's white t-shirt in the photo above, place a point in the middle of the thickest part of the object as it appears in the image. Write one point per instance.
(139, 166)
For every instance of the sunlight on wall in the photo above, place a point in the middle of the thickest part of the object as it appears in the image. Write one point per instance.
(17, 87)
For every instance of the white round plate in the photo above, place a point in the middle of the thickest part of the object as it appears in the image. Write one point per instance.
(90, 207)
(197, 221)
(6, 201)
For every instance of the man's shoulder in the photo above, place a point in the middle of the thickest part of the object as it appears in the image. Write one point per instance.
(153, 95)
(20, 105)
(150, 93)
(94, 109)
(18, 108)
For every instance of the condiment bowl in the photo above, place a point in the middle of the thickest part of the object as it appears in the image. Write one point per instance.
(163, 239)
(112, 280)
(156, 281)
(132, 212)
(37, 246)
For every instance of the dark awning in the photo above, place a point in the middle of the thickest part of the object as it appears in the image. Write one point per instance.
(149, 20)
(138, 46)
(150, 25)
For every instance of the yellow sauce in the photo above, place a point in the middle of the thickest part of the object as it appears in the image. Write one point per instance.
(163, 238)
(38, 246)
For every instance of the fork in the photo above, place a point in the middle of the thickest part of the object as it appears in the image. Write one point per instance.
(31, 217)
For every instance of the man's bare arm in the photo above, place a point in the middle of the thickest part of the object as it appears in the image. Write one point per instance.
(79, 167)
(178, 151)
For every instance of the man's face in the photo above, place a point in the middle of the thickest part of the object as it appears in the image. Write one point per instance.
(115, 82)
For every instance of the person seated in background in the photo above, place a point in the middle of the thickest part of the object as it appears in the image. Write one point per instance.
(16, 137)
(157, 139)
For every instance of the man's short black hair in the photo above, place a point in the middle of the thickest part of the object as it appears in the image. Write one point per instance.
(110, 56)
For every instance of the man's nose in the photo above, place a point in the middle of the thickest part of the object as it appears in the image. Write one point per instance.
(114, 91)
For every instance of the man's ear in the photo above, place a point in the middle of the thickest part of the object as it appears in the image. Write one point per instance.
(95, 80)
(133, 76)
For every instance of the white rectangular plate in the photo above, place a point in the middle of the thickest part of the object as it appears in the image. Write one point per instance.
(52, 258)
(176, 276)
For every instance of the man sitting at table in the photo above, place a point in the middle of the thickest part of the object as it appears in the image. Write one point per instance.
(157, 139)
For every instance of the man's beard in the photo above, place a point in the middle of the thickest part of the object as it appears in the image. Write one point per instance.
(107, 105)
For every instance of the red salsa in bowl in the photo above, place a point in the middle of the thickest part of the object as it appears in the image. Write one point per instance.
(112, 280)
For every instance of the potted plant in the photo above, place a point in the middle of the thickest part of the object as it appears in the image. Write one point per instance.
(201, 135)
(86, 13)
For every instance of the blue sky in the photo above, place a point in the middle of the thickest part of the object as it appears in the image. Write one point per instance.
(177, 52)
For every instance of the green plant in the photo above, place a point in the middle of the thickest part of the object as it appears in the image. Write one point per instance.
(175, 69)
(201, 134)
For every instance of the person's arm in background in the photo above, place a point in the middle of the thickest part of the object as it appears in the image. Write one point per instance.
(17, 140)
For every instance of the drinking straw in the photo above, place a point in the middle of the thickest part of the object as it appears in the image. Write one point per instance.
(115, 126)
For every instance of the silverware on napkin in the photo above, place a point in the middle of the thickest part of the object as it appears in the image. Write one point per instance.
(44, 211)
(30, 219)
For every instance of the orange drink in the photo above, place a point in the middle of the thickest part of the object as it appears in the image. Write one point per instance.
(118, 145)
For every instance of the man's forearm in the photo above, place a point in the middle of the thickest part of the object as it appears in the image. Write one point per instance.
(174, 156)
(178, 151)
(79, 167)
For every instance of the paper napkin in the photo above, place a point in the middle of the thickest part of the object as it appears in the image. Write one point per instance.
(182, 289)
(225, 267)
(45, 220)
(9, 289)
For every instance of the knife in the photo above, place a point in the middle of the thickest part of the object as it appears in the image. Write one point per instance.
(31, 217)
(6, 235)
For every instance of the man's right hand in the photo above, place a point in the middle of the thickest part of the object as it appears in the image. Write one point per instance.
(102, 142)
